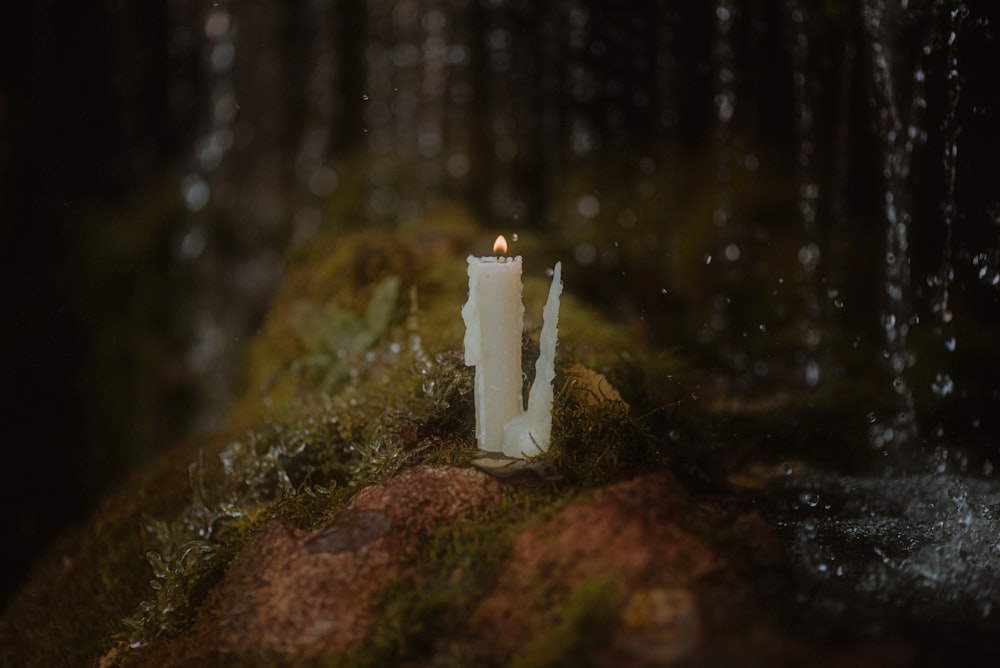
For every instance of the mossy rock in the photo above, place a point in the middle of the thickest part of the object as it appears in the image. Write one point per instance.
(355, 385)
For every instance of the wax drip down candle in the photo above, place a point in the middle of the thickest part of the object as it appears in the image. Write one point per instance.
(494, 320)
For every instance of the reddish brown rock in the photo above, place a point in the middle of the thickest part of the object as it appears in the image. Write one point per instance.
(627, 531)
(298, 594)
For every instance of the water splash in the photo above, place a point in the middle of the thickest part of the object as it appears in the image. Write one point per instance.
(912, 548)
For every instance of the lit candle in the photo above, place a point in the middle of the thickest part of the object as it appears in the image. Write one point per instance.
(494, 319)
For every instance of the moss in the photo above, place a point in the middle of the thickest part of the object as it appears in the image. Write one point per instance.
(304, 449)
(90, 580)
(320, 442)
(587, 618)
(414, 620)
(594, 445)
(423, 618)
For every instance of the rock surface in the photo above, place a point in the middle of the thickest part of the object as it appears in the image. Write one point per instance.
(627, 532)
(304, 594)
(296, 596)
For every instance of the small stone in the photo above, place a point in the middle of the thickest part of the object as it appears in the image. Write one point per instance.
(499, 465)
(660, 624)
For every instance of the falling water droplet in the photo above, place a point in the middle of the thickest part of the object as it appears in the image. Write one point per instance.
(812, 373)
(192, 244)
(942, 386)
(196, 193)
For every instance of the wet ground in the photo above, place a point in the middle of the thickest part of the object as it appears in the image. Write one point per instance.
(914, 556)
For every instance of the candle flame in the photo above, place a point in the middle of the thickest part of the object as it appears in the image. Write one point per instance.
(500, 245)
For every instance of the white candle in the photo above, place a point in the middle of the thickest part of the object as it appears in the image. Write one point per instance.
(494, 319)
